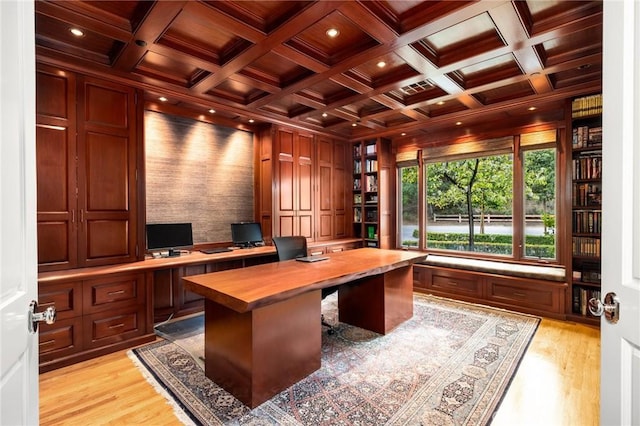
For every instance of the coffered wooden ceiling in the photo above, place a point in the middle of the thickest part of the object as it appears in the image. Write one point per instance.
(273, 62)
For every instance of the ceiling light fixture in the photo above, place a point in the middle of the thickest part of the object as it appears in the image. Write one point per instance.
(251, 120)
(440, 103)
(382, 64)
(76, 32)
(354, 124)
(325, 115)
(332, 32)
(532, 108)
(403, 134)
(162, 99)
(458, 123)
(212, 111)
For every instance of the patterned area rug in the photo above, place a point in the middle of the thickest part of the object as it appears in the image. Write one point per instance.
(449, 365)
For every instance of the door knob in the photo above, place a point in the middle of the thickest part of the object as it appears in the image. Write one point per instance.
(610, 308)
(48, 316)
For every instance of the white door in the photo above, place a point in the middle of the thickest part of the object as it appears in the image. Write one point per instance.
(18, 258)
(620, 358)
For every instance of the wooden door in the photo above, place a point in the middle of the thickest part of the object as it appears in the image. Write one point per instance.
(107, 169)
(620, 329)
(18, 264)
(56, 169)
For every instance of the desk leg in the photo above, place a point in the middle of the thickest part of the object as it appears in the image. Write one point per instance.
(257, 354)
(379, 303)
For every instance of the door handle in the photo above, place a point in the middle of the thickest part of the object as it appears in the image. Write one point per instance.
(48, 316)
(610, 308)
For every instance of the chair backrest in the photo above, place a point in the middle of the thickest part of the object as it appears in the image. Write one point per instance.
(290, 247)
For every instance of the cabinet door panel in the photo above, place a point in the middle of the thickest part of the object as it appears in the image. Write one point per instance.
(56, 169)
(107, 158)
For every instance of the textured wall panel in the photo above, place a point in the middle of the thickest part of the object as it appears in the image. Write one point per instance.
(199, 173)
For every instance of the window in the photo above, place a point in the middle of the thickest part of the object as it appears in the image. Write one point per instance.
(408, 223)
(469, 204)
(480, 197)
(539, 170)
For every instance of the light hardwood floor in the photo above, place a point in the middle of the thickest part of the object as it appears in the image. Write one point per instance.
(557, 384)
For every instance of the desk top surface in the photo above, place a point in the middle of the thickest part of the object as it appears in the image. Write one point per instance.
(248, 288)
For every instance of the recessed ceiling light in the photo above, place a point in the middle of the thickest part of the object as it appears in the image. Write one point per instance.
(458, 123)
(354, 124)
(251, 120)
(382, 64)
(532, 108)
(162, 99)
(76, 32)
(403, 134)
(325, 115)
(332, 32)
(212, 111)
(440, 103)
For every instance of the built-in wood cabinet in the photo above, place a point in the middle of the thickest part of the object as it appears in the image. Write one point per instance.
(88, 144)
(534, 296)
(96, 315)
(302, 185)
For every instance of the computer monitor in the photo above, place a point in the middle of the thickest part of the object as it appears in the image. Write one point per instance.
(169, 236)
(246, 234)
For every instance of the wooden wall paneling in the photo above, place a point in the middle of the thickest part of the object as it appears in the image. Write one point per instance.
(55, 169)
(386, 195)
(304, 185)
(325, 201)
(341, 196)
(265, 185)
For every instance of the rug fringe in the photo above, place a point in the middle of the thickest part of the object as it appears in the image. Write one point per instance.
(177, 410)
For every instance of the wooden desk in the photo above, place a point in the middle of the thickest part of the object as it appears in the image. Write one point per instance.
(262, 324)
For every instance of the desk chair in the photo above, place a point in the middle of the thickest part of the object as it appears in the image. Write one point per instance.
(296, 246)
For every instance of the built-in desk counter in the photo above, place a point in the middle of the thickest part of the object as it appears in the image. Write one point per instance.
(108, 308)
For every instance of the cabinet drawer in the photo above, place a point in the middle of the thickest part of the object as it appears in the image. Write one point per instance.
(537, 295)
(114, 326)
(65, 297)
(60, 338)
(456, 283)
(113, 292)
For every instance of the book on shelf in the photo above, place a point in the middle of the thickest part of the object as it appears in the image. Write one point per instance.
(587, 221)
(586, 246)
(370, 149)
(357, 166)
(371, 166)
(586, 137)
(587, 194)
(357, 215)
(371, 183)
(587, 166)
(580, 299)
(357, 198)
(357, 184)
(357, 150)
(586, 106)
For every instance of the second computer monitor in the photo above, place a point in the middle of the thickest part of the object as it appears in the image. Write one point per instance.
(246, 234)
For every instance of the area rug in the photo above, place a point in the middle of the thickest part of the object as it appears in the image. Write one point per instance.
(448, 365)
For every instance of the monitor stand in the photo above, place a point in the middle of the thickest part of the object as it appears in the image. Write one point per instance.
(173, 253)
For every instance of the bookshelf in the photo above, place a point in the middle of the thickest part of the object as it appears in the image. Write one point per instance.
(371, 170)
(586, 204)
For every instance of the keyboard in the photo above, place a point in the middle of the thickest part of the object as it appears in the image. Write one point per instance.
(216, 250)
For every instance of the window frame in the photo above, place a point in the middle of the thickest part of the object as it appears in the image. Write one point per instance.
(518, 249)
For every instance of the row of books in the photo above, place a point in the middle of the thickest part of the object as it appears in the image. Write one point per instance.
(357, 167)
(581, 297)
(587, 221)
(587, 167)
(586, 246)
(585, 136)
(586, 106)
(369, 149)
(371, 183)
(587, 194)
(370, 166)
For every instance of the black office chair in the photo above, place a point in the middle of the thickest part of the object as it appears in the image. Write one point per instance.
(296, 246)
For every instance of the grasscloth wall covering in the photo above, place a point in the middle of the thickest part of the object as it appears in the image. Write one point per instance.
(199, 173)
